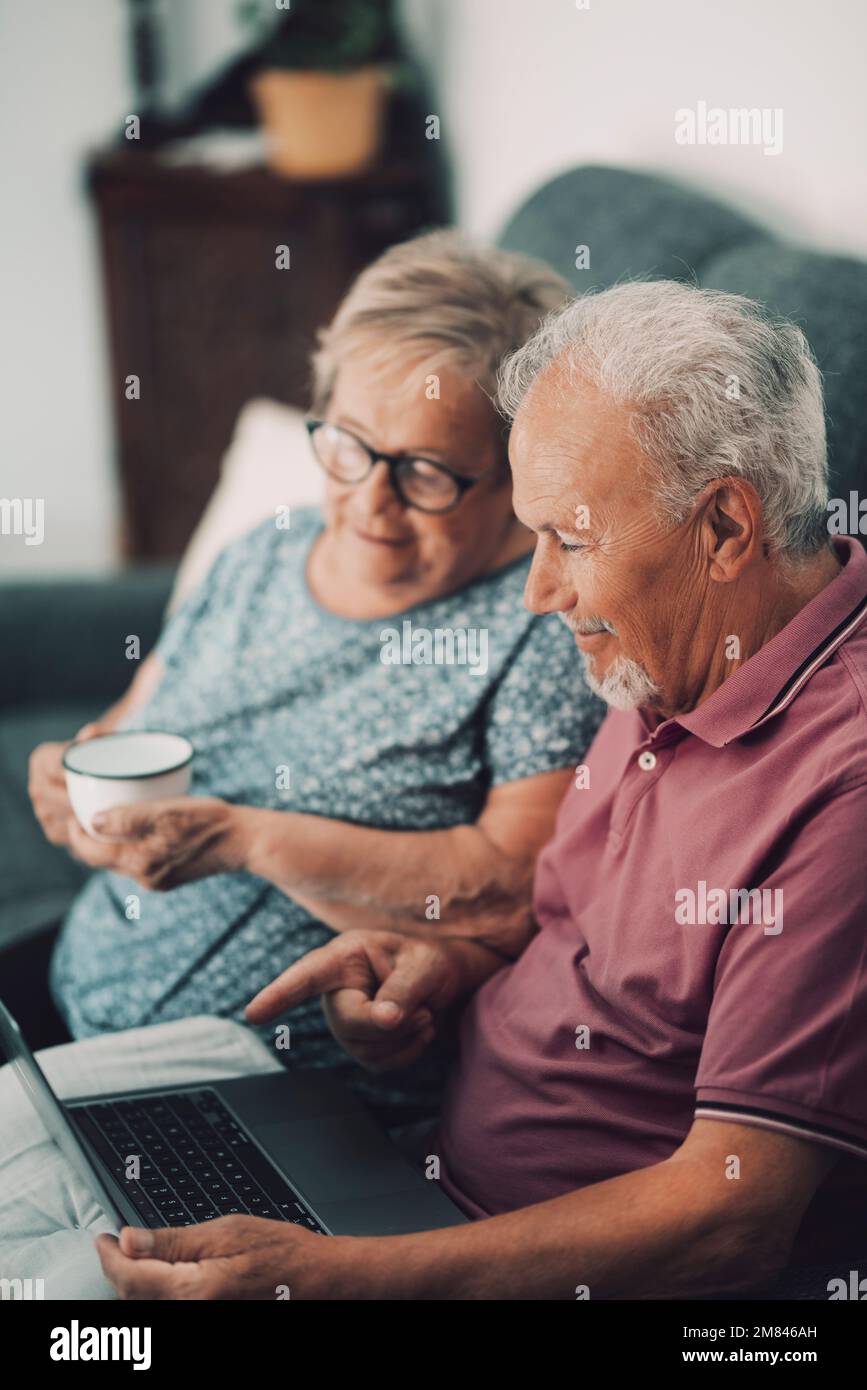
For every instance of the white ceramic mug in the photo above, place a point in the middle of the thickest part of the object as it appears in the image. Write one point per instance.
(125, 768)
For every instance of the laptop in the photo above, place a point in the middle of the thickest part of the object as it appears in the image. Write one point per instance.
(292, 1146)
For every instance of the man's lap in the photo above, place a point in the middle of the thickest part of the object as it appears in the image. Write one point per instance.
(42, 1201)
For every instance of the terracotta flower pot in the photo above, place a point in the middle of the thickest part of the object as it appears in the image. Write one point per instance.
(320, 125)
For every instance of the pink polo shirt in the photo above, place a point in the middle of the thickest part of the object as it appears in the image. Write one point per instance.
(653, 993)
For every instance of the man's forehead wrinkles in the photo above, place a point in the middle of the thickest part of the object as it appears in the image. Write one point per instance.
(550, 500)
(566, 457)
(557, 471)
(541, 444)
(563, 468)
(545, 482)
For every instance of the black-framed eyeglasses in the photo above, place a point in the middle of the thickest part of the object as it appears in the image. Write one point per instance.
(418, 482)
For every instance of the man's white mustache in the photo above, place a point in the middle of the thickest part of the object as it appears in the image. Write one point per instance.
(585, 627)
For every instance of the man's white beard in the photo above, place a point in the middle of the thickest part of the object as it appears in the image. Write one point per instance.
(625, 685)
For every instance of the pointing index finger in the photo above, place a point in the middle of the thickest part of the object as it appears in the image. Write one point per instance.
(320, 972)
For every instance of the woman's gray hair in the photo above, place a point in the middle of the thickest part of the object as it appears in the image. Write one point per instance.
(716, 387)
(443, 298)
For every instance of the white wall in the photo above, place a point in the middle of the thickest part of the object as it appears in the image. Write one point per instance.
(527, 88)
(64, 90)
(63, 84)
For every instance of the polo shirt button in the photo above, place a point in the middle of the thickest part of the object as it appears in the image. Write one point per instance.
(647, 761)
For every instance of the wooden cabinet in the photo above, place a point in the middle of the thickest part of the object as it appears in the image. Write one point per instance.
(199, 312)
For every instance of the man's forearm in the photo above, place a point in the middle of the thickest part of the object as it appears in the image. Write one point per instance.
(431, 882)
(648, 1234)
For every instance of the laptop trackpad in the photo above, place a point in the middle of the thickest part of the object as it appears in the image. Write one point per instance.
(336, 1156)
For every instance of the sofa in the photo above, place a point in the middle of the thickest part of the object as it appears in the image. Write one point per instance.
(63, 642)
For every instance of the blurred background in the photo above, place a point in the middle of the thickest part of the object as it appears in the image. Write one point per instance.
(154, 257)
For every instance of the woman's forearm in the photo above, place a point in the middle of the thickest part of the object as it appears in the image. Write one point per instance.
(141, 689)
(456, 881)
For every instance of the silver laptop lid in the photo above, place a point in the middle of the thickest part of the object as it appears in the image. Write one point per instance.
(51, 1111)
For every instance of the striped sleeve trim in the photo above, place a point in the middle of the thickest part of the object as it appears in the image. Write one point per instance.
(783, 1124)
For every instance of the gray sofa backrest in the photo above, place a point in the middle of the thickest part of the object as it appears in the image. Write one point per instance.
(639, 225)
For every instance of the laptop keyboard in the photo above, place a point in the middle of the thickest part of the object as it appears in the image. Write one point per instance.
(196, 1161)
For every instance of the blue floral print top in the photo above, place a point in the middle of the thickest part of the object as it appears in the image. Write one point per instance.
(399, 723)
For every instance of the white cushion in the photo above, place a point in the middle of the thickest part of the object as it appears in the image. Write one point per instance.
(269, 464)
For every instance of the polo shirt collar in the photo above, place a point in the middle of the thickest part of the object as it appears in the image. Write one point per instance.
(772, 678)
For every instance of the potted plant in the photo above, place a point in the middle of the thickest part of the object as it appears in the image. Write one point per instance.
(321, 84)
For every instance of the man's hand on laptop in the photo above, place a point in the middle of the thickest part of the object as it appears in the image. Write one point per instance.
(384, 994)
(235, 1257)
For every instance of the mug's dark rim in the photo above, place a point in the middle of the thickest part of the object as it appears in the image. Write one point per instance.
(129, 776)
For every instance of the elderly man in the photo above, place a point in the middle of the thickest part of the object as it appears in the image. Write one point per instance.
(665, 1094)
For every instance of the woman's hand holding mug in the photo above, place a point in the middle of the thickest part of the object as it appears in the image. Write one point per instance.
(46, 785)
(163, 844)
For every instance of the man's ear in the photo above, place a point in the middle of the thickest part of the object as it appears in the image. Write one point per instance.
(731, 527)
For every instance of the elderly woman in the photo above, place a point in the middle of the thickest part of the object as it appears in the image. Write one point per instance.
(383, 733)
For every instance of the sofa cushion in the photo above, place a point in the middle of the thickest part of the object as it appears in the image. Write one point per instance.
(268, 464)
(70, 636)
(634, 224)
(827, 297)
(37, 880)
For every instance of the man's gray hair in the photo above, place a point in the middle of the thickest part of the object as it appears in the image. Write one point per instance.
(716, 387)
(441, 297)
